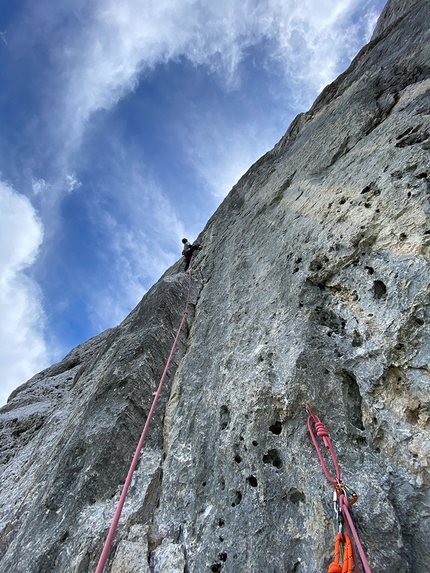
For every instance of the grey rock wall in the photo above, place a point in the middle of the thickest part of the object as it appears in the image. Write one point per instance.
(87, 412)
(313, 286)
(392, 13)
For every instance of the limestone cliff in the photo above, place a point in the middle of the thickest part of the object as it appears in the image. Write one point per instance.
(313, 286)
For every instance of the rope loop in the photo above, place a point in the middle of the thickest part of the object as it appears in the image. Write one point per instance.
(342, 544)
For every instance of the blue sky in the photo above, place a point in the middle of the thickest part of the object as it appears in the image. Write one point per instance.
(124, 124)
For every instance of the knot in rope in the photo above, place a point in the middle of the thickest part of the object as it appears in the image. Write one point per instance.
(322, 432)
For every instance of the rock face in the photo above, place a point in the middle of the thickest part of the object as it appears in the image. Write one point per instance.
(313, 286)
(392, 13)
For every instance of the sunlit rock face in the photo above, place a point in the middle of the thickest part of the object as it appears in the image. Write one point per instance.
(313, 286)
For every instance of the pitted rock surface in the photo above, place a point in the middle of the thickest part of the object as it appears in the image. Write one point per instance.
(313, 286)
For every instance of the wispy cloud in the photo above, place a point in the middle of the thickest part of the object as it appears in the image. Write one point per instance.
(3, 37)
(72, 182)
(141, 235)
(22, 347)
(116, 43)
(39, 185)
(231, 152)
(102, 61)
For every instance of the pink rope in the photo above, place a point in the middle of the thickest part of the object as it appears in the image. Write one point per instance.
(323, 433)
(109, 539)
(344, 506)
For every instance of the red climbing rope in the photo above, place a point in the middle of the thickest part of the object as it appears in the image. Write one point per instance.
(109, 539)
(342, 490)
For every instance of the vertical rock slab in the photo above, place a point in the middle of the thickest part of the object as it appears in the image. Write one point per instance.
(316, 289)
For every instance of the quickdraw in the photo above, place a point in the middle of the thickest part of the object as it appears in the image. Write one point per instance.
(349, 493)
(343, 498)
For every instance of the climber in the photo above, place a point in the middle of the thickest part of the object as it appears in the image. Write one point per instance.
(189, 251)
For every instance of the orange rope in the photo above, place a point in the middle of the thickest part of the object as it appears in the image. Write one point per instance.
(347, 566)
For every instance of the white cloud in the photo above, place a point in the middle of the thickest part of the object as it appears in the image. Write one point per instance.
(371, 19)
(101, 60)
(72, 182)
(112, 43)
(22, 347)
(120, 40)
(39, 185)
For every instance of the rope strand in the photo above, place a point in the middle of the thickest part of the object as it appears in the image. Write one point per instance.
(112, 530)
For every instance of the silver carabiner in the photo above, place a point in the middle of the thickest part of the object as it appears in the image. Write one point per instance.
(337, 512)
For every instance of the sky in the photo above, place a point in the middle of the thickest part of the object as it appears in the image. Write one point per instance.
(123, 126)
